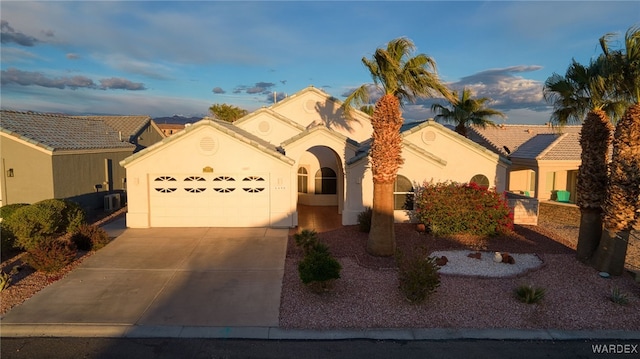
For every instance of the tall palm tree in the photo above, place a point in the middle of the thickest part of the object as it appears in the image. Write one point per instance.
(581, 91)
(622, 201)
(466, 111)
(400, 77)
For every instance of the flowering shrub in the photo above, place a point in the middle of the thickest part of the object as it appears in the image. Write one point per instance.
(459, 208)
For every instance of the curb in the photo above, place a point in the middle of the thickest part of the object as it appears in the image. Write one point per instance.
(276, 333)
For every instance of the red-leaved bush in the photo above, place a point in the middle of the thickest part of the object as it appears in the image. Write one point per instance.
(459, 208)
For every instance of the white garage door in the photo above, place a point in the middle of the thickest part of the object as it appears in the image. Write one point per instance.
(207, 200)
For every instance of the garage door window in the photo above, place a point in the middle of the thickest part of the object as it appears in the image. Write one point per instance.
(164, 184)
(326, 181)
(224, 184)
(253, 184)
(194, 189)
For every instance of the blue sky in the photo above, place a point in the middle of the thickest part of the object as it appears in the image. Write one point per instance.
(162, 57)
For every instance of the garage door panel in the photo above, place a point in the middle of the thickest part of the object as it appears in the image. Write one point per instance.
(179, 200)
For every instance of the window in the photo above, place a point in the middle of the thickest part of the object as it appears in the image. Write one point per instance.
(480, 180)
(402, 194)
(326, 181)
(303, 180)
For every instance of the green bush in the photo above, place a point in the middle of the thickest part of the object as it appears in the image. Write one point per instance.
(364, 220)
(318, 267)
(452, 208)
(45, 219)
(51, 255)
(89, 237)
(528, 294)
(7, 211)
(418, 276)
(7, 238)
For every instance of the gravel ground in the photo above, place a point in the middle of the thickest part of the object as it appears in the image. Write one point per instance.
(366, 295)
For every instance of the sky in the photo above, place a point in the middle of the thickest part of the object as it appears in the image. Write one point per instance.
(164, 58)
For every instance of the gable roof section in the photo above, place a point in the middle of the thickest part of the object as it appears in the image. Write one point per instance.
(55, 132)
(223, 127)
(413, 127)
(514, 136)
(129, 126)
(320, 127)
(272, 113)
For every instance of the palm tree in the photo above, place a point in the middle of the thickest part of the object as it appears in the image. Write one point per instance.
(401, 78)
(466, 111)
(622, 201)
(581, 91)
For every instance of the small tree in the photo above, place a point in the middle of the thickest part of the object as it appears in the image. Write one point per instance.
(228, 113)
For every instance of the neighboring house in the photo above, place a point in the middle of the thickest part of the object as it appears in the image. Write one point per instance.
(58, 156)
(170, 128)
(300, 151)
(141, 131)
(544, 159)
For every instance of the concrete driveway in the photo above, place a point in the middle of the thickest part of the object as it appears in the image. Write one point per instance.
(173, 277)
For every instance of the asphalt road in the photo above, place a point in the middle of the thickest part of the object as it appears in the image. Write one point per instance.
(156, 348)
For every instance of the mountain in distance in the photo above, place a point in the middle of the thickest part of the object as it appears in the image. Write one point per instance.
(178, 119)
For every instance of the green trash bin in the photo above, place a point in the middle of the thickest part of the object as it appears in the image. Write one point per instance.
(563, 196)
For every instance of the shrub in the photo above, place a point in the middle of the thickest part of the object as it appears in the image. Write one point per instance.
(7, 211)
(89, 237)
(452, 208)
(5, 281)
(528, 294)
(418, 276)
(318, 267)
(7, 238)
(364, 220)
(618, 297)
(49, 218)
(307, 239)
(51, 255)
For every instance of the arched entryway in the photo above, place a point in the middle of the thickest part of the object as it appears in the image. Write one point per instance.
(320, 179)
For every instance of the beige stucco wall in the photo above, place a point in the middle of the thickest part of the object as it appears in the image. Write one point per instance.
(268, 127)
(184, 155)
(548, 177)
(309, 106)
(452, 160)
(32, 169)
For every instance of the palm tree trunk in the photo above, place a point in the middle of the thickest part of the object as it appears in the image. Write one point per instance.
(382, 234)
(623, 194)
(589, 233)
(386, 158)
(595, 138)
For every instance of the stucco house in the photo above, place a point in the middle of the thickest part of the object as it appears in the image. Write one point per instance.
(59, 156)
(299, 151)
(544, 159)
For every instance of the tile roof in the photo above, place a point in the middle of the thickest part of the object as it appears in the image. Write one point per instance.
(129, 126)
(537, 141)
(56, 132)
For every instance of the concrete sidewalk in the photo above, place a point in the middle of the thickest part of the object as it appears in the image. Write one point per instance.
(202, 283)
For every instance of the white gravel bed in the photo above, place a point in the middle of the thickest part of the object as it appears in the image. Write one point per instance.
(460, 264)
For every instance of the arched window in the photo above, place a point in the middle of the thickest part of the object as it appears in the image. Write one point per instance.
(480, 180)
(326, 181)
(403, 193)
(303, 180)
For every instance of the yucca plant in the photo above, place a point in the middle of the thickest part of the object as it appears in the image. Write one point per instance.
(5, 281)
(619, 297)
(529, 294)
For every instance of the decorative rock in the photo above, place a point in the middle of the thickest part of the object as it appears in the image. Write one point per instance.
(476, 255)
(497, 257)
(421, 228)
(442, 261)
(507, 258)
